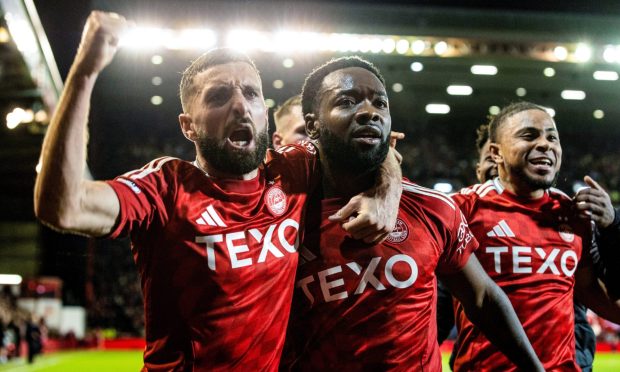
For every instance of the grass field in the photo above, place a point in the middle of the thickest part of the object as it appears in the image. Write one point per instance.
(131, 361)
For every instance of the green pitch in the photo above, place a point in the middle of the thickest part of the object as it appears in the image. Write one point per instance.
(131, 361)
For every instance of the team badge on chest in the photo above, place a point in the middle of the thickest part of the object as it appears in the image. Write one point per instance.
(566, 233)
(400, 232)
(276, 200)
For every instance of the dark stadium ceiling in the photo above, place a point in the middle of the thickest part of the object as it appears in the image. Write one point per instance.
(519, 39)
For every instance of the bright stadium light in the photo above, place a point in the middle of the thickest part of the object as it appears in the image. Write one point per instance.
(402, 46)
(605, 75)
(576, 95)
(549, 72)
(440, 48)
(389, 45)
(444, 187)
(521, 92)
(418, 46)
(376, 45)
(437, 108)
(483, 70)
(10, 279)
(416, 66)
(494, 110)
(560, 53)
(245, 40)
(598, 114)
(397, 87)
(610, 54)
(583, 52)
(459, 90)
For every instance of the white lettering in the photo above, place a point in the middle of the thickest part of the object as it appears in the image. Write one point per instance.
(326, 286)
(549, 261)
(517, 259)
(267, 244)
(565, 256)
(233, 250)
(497, 251)
(210, 240)
(285, 244)
(390, 276)
(369, 277)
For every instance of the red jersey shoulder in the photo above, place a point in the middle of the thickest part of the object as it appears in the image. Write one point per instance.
(432, 202)
(467, 197)
(161, 170)
(302, 150)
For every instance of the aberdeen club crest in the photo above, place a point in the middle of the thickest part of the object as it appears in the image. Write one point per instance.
(276, 200)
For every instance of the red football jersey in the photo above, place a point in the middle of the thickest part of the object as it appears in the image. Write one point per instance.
(217, 258)
(531, 249)
(363, 307)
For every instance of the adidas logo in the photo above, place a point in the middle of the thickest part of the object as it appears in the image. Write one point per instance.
(210, 217)
(501, 229)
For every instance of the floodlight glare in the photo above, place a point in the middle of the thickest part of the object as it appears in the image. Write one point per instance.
(483, 70)
(459, 90)
(605, 75)
(576, 95)
(437, 108)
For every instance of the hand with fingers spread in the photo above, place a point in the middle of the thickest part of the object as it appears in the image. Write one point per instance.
(99, 41)
(594, 203)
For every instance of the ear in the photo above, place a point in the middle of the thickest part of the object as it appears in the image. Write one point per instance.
(185, 120)
(276, 140)
(496, 153)
(312, 126)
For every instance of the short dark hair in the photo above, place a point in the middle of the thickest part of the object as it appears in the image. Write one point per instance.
(482, 136)
(213, 57)
(508, 111)
(285, 108)
(313, 82)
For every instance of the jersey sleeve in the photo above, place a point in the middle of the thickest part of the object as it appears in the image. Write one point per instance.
(143, 195)
(459, 245)
(303, 163)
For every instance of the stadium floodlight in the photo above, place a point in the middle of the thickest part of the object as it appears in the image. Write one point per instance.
(418, 46)
(610, 54)
(605, 75)
(483, 70)
(19, 116)
(440, 48)
(549, 72)
(560, 52)
(10, 279)
(389, 45)
(402, 46)
(417, 66)
(437, 108)
(576, 95)
(397, 87)
(521, 92)
(598, 114)
(494, 110)
(444, 187)
(245, 40)
(459, 90)
(583, 52)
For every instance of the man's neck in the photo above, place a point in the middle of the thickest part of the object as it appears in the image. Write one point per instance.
(521, 189)
(338, 183)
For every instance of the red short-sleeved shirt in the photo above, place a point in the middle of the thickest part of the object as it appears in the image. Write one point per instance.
(216, 258)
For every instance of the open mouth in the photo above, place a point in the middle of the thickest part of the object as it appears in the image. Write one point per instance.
(541, 162)
(368, 134)
(241, 136)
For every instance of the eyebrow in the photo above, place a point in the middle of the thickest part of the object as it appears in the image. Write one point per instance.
(339, 92)
(534, 129)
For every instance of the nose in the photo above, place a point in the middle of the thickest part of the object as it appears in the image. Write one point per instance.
(543, 144)
(239, 104)
(367, 114)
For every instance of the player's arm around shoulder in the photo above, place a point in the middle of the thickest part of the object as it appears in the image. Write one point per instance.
(488, 307)
(376, 209)
(63, 199)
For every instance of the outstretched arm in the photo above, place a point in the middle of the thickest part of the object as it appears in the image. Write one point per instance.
(63, 199)
(488, 307)
(376, 208)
